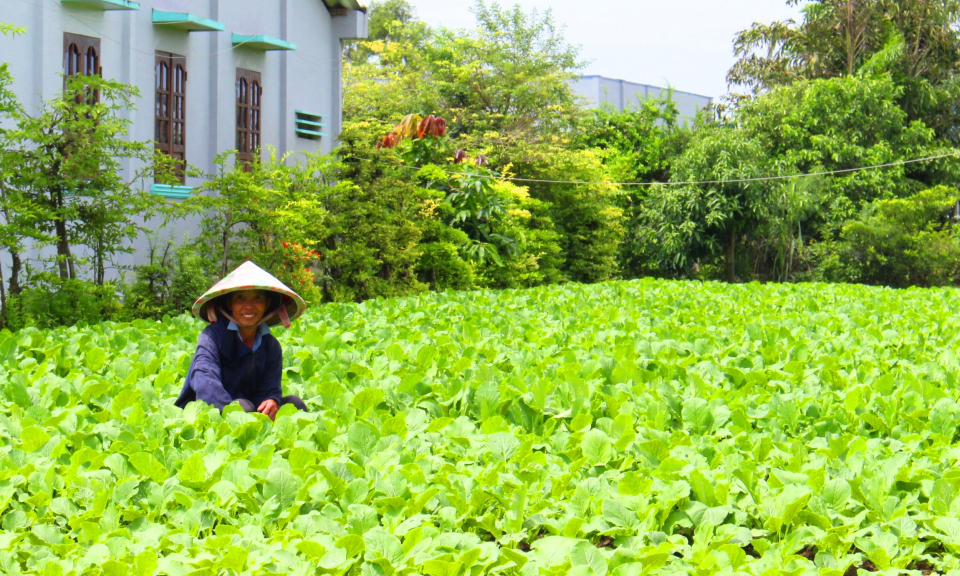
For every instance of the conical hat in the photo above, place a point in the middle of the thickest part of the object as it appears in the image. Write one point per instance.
(249, 276)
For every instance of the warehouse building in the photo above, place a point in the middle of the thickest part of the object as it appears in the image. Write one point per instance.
(599, 91)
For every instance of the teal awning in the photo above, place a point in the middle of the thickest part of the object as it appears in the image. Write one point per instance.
(261, 42)
(185, 21)
(171, 191)
(103, 4)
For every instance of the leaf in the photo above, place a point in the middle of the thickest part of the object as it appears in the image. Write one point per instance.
(502, 445)
(312, 550)
(596, 447)
(94, 359)
(193, 472)
(352, 545)
(586, 554)
(632, 484)
(552, 551)
(33, 438)
(362, 439)
(367, 399)
(836, 493)
(697, 416)
(441, 568)
(382, 544)
(396, 425)
(283, 486)
(949, 527)
(619, 514)
(148, 466)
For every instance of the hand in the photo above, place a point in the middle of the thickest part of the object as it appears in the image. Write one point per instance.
(269, 407)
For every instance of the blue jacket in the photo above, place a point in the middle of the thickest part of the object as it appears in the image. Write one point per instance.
(225, 369)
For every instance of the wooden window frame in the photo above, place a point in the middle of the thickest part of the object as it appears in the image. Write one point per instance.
(249, 99)
(170, 108)
(81, 57)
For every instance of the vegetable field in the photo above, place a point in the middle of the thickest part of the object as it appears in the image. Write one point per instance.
(626, 428)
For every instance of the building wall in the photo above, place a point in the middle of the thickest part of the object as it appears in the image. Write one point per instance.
(308, 78)
(598, 90)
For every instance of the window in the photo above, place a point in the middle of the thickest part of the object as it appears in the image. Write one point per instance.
(81, 57)
(249, 93)
(170, 114)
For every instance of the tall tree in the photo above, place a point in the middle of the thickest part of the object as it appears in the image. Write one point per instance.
(508, 75)
(915, 42)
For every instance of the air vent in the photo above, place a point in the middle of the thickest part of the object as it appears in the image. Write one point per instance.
(309, 125)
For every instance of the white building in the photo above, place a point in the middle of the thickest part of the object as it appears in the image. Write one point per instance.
(214, 75)
(621, 94)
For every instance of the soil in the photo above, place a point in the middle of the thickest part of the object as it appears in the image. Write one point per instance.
(606, 542)
(867, 565)
(751, 551)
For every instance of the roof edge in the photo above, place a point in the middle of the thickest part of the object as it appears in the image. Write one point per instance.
(345, 4)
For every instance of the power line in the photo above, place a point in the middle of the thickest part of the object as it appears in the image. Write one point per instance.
(691, 182)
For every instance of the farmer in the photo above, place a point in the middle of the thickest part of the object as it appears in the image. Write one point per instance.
(237, 358)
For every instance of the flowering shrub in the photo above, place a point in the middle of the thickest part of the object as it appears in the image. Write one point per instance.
(295, 266)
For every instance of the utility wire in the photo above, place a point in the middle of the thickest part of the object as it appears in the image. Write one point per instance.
(953, 154)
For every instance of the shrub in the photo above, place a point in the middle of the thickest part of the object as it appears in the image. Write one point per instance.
(168, 284)
(898, 242)
(50, 302)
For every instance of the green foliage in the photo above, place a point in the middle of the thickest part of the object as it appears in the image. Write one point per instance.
(686, 223)
(913, 42)
(586, 217)
(257, 211)
(839, 124)
(508, 75)
(372, 247)
(49, 302)
(63, 185)
(899, 242)
(640, 143)
(168, 284)
(682, 427)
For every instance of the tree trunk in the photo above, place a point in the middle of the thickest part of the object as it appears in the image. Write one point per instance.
(63, 249)
(15, 262)
(15, 265)
(3, 300)
(731, 258)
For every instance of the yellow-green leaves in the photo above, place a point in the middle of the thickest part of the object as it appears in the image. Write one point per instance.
(539, 457)
(149, 466)
(33, 438)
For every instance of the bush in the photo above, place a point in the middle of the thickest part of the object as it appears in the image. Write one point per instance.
(167, 285)
(50, 302)
(586, 217)
(899, 242)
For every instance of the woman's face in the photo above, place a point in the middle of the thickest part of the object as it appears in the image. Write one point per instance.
(248, 307)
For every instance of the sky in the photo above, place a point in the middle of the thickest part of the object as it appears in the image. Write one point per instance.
(686, 44)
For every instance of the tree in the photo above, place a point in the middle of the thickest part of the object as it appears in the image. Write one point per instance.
(390, 21)
(64, 178)
(508, 76)
(915, 42)
(639, 144)
(898, 242)
(685, 225)
(842, 124)
(10, 233)
(269, 212)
